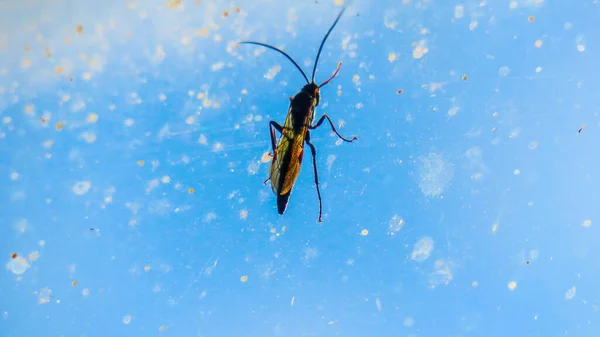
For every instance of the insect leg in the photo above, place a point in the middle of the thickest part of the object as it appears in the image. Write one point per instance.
(314, 157)
(273, 125)
(276, 126)
(332, 128)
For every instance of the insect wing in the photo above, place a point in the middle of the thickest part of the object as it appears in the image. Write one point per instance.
(287, 159)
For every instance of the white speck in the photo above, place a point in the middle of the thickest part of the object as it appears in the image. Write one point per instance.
(378, 303)
(459, 11)
(48, 143)
(152, 184)
(217, 147)
(503, 71)
(292, 303)
(330, 159)
(243, 214)
(217, 66)
(395, 224)
(272, 72)
(85, 292)
(538, 69)
(422, 249)
(127, 319)
(533, 145)
(435, 174)
(166, 179)
(89, 137)
(473, 25)
(570, 293)
(129, 122)
(513, 5)
(44, 296)
(512, 285)
(587, 223)
(14, 175)
(18, 265)
(162, 97)
(408, 321)
(517, 172)
(81, 187)
(452, 111)
(190, 120)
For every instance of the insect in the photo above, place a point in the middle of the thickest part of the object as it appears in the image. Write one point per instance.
(295, 132)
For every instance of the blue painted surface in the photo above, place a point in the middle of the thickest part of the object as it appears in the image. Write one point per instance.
(468, 206)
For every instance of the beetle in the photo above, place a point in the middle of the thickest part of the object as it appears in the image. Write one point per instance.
(295, 132)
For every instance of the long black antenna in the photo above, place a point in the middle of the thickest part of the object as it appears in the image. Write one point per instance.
(280, 51)
(324, 39)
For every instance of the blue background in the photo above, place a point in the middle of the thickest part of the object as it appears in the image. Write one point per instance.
(467, 207)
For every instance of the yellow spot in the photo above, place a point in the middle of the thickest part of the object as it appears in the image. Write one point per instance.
(162, 328)
(200, 95)
(244, 279)
(538, 43)
(392, 57)
(60, 125)
(464, 77)
(92, 118)
(59, 70)
(174, 3)
(587, 223)
(191, 190)
(74, 283)
(364, 232)
(87, 76)
(512, 285)
(146, 268)
(141, 162)
(79, 29)
(29, 109)
(531, 19)
(26, 63)
(338, 2)
(203, 32)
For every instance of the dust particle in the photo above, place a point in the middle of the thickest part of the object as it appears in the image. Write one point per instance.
(392, 57)
(464, 77)
(244, 278)
(140, 162)
(14, 255)
(129, 122)
(191, 190)
(166, 179)
(79, 29)
(162, 328)
(74, 283)
(531, 18)
(570, 294)
(174, 3)
(512, 285)
(33, 256)
(587, 223)
(364, 232)
(147, 268)
(44, 296)
(474, 284)
(538, 43)
(60, 126)
(243, 214)
(503, 71)
(338, 2)
(494, 228)
(225, 14)
(92, 118)
(85, 292)
(399, 91)
(81, 187)
(126, 319)
(422, 249)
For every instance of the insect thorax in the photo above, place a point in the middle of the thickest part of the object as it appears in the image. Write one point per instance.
(304, 103)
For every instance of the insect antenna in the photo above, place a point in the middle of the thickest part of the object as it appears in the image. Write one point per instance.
(323, 42)
(281, 52)
(337, 70)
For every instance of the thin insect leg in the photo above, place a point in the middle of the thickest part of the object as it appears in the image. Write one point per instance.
(337, 70)
(276, 126)
(332, 127)
(314, 157)
(273, 125)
